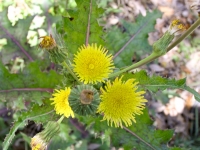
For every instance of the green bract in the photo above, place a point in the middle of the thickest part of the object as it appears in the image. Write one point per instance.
(84, 100)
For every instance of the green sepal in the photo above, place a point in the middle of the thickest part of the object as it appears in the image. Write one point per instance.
(52, 128)
(57, 55)
(160, 46)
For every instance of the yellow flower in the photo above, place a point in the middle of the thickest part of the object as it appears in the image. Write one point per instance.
(61, 102)
(120, 102)
(37, 143)
(47, 42)
(92, 64)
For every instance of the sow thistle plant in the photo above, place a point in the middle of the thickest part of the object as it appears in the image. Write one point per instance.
(118, 100)
(99, 89)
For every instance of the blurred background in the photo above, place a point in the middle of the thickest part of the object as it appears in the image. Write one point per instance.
(23, 22)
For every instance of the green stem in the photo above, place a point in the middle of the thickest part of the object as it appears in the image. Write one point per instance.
(136, 65)
(154, 55)
(184, 35)
(70, 71)
(61, 119)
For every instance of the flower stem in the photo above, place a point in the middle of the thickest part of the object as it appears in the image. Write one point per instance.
(184, 35)
(70, 71)
(154, 55)
(61, 119)
(131, 132)
(136, 65)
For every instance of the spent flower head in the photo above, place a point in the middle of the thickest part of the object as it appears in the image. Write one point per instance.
(84, 99)
(47, 42)
(176, 28)
(56, 53)
(38, 143)
(60, 100)
(92, 64)
(41, 140)
(120, 102)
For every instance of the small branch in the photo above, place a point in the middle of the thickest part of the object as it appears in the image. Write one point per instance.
(88, 26)
(28, 89)
(131, 132)
(16, 42)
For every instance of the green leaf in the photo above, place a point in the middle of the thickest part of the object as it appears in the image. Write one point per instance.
(131, 38)
(16, 37)
(79, 25)
(31, 85)
(39, 114)
(119, 137)
(143, 128)
(156, 83)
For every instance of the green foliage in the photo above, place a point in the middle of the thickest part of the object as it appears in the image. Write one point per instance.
(30, 85)
(76, 27)
(39, 114)
(119, 137)
(28, 88)
(156, 83)
(131, 38)
(14, 46)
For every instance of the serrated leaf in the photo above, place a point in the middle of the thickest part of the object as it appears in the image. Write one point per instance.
(143, 128)
(39, 114)
(79, 26)
(131, 38)
(156, 83)
(119, 137)
(30, 85)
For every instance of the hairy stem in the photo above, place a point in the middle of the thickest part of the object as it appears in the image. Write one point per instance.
(131, 132)
(136, 65)
(61, 119)
(70, 71)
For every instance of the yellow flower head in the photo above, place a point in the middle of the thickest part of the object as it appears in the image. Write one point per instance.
(120, 102)
(47, 42)
(92, 65)
(37, 143)
(60, 100)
